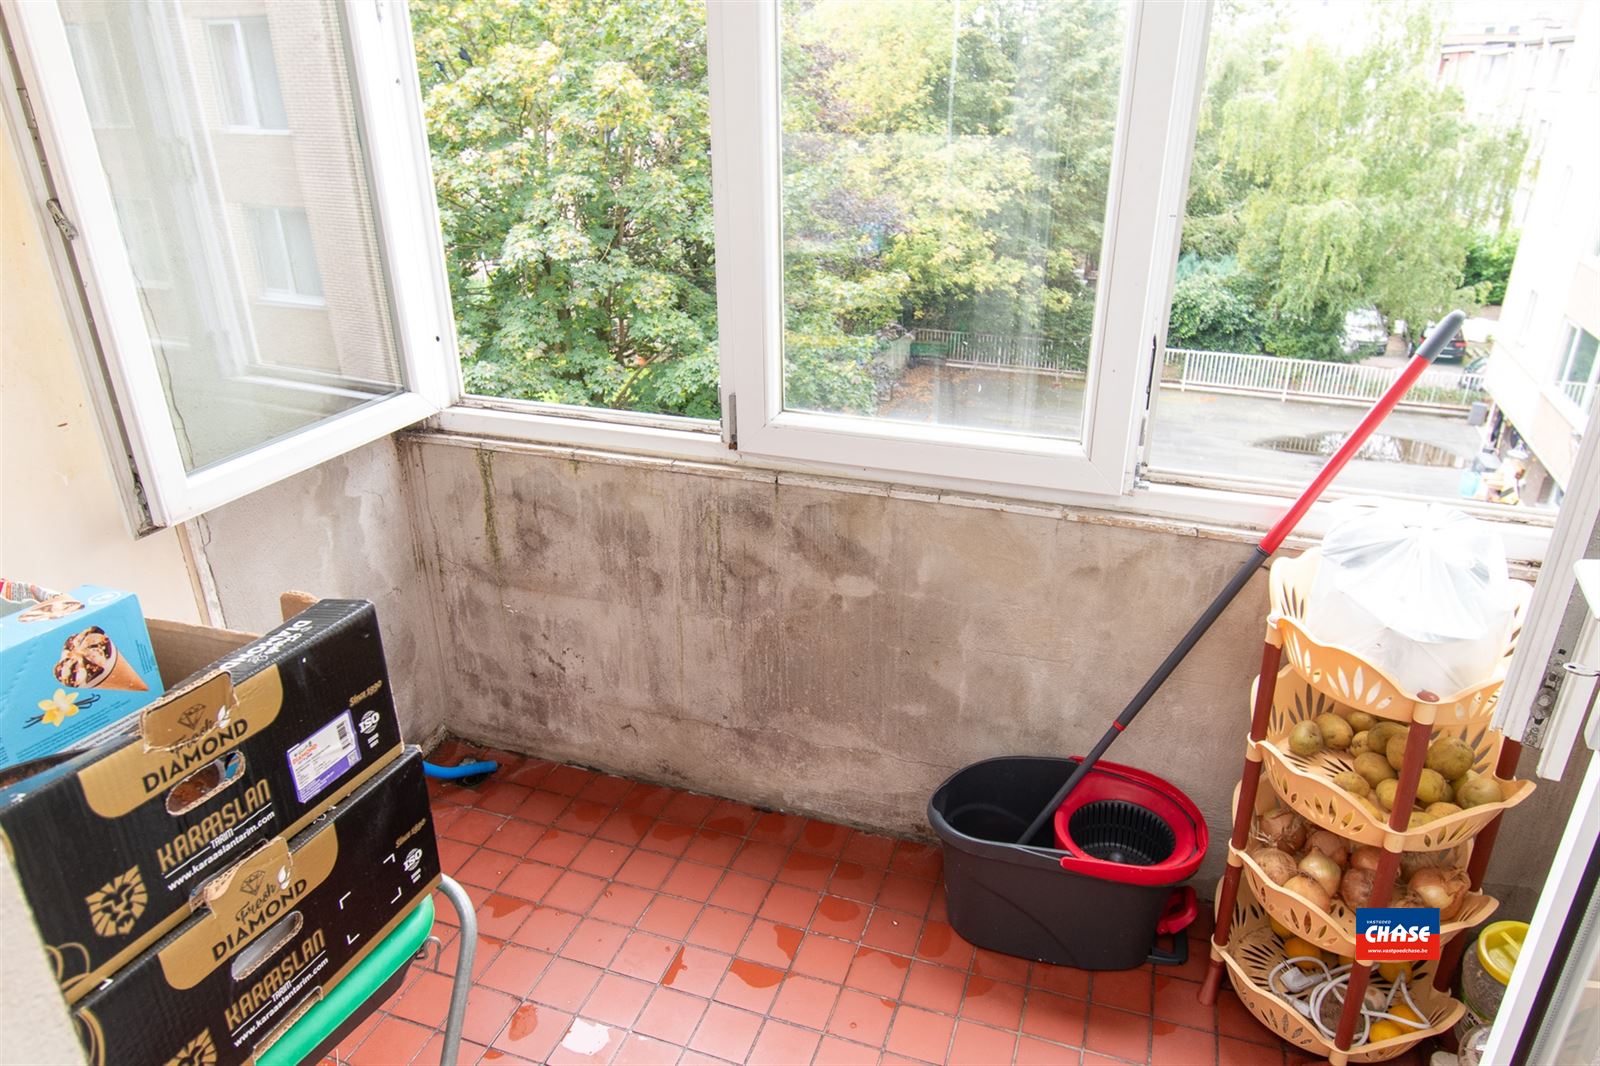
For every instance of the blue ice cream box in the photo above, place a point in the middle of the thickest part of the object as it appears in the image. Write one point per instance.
(73, 668)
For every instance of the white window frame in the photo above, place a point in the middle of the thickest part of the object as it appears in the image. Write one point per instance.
(745, 203)
(746, 173)
(123, 373)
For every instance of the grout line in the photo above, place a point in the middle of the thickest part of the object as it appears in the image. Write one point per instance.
(743, 842)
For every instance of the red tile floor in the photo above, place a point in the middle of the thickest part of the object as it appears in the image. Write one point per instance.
(633, 923)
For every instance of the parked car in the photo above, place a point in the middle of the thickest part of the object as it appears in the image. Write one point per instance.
(1365, 335)
(1454, 352)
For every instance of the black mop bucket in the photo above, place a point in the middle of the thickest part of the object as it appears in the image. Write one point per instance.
(1093, 890)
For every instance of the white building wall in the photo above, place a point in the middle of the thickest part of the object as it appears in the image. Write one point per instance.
(1555, 281)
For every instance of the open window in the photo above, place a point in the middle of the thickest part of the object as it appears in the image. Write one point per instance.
(963, 275)
(258, 304)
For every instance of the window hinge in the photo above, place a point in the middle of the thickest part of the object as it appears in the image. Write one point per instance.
(59, 217)
(730, 421)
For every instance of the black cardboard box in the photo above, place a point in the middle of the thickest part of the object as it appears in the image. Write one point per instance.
(111, 845)
(283, 926)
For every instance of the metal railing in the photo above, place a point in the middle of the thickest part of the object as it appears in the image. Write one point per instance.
(1581, 393)
(1017, 351)
(1310, 379)
(1186, 368)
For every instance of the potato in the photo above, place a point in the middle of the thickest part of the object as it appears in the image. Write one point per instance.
(1374, 767)
(1305, 739)
(1336, 732)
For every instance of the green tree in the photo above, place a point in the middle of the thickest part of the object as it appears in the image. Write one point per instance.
(945, 165)
(1488, 265)
(1213, 307)
(571, 155)
(1368, 182)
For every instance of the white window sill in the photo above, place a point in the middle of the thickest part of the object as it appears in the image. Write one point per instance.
(287, 299)
(1227, 510)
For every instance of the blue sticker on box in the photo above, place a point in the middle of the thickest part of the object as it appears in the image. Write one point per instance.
(323, 757)
(1396, 934)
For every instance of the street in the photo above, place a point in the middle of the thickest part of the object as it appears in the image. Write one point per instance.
(1202, 433)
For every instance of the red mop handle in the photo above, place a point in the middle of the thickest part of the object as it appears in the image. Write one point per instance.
(1426, 353)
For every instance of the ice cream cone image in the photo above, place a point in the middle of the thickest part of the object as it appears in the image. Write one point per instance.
(54, 607)
(90, 660)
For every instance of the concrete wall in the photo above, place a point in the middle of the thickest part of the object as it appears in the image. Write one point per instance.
(834, 650)
(344, 529)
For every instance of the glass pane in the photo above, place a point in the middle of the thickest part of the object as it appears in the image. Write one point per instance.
(228, 60)
(272, 258)
(263, 74)
(1330, 223)
(92, 54)
(945, 174)
(240, 370)
(302, 253)
(1581, 365)
(572, 160)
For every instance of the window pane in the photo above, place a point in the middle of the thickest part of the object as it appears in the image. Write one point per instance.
(240, 371)
(272, 257)
(1580, 358)
(945, 174)
(263, 74)
(571, 155)
(302, 253)
(228, 59)
(92, 54)
(1330, 222)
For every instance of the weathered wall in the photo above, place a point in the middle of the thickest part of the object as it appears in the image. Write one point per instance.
(343, 529)
(839, 652)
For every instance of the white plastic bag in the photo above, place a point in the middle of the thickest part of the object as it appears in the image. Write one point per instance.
(1418, 590)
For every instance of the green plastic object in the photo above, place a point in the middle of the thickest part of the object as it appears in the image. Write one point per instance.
(348, 996)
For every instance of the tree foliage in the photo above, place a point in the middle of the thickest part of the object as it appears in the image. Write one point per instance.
(1363, 182)
(571, 154)
(1488, 265)
(944, 165)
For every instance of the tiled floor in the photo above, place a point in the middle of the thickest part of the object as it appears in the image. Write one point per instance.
(633, 923)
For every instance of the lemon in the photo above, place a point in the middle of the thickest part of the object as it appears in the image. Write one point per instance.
(1401, 1010)
(1393, 971)
(1385, 1030)
(1295, 948)
(1283, 931)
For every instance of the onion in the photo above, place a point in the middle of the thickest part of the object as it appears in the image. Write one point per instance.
(1445, 889)
(1282, 829)
(1321, 869)
(1308, 890)
(1277, 865)
(1412, 861)
(1356, 886)
(1365, 857)
(1405, 898)
(1330, 844)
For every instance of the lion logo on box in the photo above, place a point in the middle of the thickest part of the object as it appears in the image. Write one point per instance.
(198, 1052)
(117, 906)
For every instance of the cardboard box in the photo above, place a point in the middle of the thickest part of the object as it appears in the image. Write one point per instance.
(71, 668)
(111, 844)
(285, 925)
